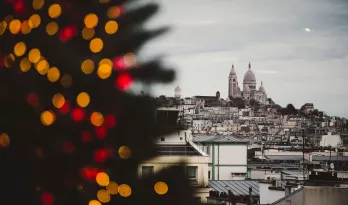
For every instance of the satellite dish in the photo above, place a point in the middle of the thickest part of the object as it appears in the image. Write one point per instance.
(332, 166)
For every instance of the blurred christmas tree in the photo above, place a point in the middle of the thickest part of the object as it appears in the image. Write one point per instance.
(70, 133)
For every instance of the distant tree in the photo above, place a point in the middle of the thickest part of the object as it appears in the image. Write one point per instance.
(291, 109)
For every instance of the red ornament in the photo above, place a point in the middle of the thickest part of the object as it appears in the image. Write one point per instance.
(124, 81)
(101, 132)
(110, 121)
(119, 63)
(100, 155)
(32, 99)
(78, 114)
(86, 137)
(47, 198)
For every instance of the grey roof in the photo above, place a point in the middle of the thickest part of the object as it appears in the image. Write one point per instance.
(294, 173)
(284, 157)
(219, 138)
(238, 187)
(327, 158)
(177, 150)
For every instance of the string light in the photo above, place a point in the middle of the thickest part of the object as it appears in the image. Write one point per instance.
(25, 65)
(104, 71)
(94, 202)
(124, 190)
(112, 188)
(111, 27)
(15, 26)
(4, 140)
(96, 45)
(54, 11)
(87, 66)
(100, 155)
(110, 121)
(58, 100)
(66, 80)
(103, 196)
(42, 67)
(124, 152)
(8, 61)
(83, 99)
(91, 20)
(47, 198)
(113, 12)
(53, 74)
(97, 119)
(88, 33)
(19, 49)
(86, 137)
(52, 28)
(34, 21)
(34, 55)
(161, 188)
(101, 132)
(124, 81)
(38, 4)
(78, 114)
(3, 26)
(47, 118)
(25, 28)
(102, 179)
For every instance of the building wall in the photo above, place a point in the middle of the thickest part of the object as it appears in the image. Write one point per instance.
(325, 196)
(263, 174)
(176, 137)
(330, 140)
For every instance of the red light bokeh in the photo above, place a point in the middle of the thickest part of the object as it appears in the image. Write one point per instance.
(86, 137)
(67, 33)
(47, 198)
(100, 155)
(124, 81)
(101, 132)
(68, 147)
(32, 99)
(18, 6)
(65, 108)
(110, 121)
(78, 114)
(119, 63)
(89, 173)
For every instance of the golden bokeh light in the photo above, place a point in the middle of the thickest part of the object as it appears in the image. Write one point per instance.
(52, 28)
(9, 60)
(25, 65)
(34, 21)
(106, 61)
(4, 140)
(94, 202)
(19, 49)
(113, 12)
(161, 188)
(53, 74)
(58, 100)
(96, 45)
(8, 19)
(66, 80)
(83, 99)
(124, 190)
(91, 20)
(34, 55)
(25, 28)
(130, 59)
(103, 196)
(97, 119)
(112, 188)
(42, 67)
(15, 26)
(88, 33)
(54, 11)
(48, 118)
(104, 71)
(38, 4)
(87, 66)
(102, 179)
(124, 152)
(3, 26)
(111, 27)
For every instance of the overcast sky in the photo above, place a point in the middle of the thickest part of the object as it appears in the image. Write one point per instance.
(298, 48)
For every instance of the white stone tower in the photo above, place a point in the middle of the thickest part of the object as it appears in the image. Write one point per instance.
(232, 83)
(177, 92)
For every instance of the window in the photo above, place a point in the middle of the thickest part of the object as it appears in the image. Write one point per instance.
(192, 173)
(147, 171)
(180, 138)
(208, 174)
(162, 138)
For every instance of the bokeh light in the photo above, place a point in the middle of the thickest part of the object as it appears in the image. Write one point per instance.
(19, 49)
(97, 119)
(111, 27)
(124, 190)
(88, 33)
(47, 198)
(125, 152)
(66, 80)
(89, 173)
(102, 179)
(34, 55)
(48, 118)
(161, 188)
(68, 147)
(113, 12)
(66, 108)
(52, 28)
(15, 26)
(130, 59)
(94, 202)
(96, 45)
(112, 188)
(83, 99)
(34, 21)
(104, 71)
(19, 6)
(119, 63)
(101, 132)
(3, 26)
(8, 19)
(106, 61)
(91, 20)
(78, 114)
(86, 137)
(25, 28)
(32, 99)
(67, 33)
(25, 65)
(58, 100)
(53, 74)
(123, 81)
(38, 4)
(104, 1)
(110, 121)
(4, 140)
(9, 60)
(100, 155)
(42, 67)
(103, 196)
(87, 66)
(54, 11)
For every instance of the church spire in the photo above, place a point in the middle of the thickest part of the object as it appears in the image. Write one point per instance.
(249, 65)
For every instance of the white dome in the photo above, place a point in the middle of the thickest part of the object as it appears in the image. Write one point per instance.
(177, 92)
(246, 89)
(249, 76)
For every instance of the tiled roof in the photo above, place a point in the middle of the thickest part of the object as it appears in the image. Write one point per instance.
(218, 138)
(238, 187)
(284, 157)
(327, 158)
